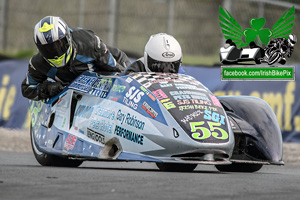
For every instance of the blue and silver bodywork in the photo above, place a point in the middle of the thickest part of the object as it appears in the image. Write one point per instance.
(153, 117)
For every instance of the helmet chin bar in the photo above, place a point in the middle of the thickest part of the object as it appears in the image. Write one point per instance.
(161, 66)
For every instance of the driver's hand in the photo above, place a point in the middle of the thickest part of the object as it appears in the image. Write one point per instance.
(49, 89)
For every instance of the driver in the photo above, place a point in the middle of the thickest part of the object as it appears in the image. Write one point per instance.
(63, 54)
(162, 54)
(284, 46)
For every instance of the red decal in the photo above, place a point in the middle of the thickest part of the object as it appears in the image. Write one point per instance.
(70, 142)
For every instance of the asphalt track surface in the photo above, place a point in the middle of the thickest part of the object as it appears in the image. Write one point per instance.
(21, 177)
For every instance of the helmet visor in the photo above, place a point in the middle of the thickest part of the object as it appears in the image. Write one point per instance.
(165, 67)
(54, 49)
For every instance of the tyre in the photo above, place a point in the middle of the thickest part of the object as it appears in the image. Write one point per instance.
(51, 160)
(175, 167)
(239, 167)
(274, 58)
(257, 61)
(282, 61)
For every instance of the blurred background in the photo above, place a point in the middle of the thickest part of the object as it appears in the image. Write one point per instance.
(128, 24)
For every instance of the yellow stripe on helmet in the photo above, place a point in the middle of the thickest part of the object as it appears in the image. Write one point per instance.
(59, 61)
(46, 27)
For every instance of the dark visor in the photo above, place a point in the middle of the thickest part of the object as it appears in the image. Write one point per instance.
(54, 49)
(160, 66)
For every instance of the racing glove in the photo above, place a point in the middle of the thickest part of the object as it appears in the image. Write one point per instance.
(49, 89)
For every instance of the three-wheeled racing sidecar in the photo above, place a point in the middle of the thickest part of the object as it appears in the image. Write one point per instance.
(170, 119)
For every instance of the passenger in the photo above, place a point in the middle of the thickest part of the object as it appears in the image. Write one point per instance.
(162, 54)
(63, 54)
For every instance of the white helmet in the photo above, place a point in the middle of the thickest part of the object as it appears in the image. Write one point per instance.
(162, 54)
(53, 40)
(292, 39)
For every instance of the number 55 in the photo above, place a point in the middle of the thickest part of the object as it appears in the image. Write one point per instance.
(206, 133)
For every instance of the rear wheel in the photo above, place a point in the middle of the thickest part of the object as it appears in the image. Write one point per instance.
(51, 160)
(175, 167)
(239, 167)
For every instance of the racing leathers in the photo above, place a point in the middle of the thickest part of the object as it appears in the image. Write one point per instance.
(279, 46)
(89, 54)
(139, 66)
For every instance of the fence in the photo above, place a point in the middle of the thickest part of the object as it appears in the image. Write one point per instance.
(127, 24)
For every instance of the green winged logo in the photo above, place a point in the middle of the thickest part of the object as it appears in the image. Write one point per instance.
(243, 37)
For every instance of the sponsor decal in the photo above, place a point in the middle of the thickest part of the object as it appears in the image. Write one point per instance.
(164, 99)
(130, 120)
(96, 136)
(133, 97)
(70, 142)
(165, 80)
(35, 110)
(83, 83)
(183, 102)
(118, 88)
(216, 117)
(101, 125)
(103, 112)
(64, 122)
(215, 101)
(81, 131)
(149, 110)
(166, 85)
(191, 116)
(84, 111)
(128, 80)
(181, 95)
(232, 125)
(187, 92)
(181, 86)
(147, 93)
(129, 135)
(160, 94)
(101, 87)
(186, 107)
(195, 106)
(61, 98)
(168, 54)
(193, 101)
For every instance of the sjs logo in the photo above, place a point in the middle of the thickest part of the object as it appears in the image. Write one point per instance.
(168, 54)
(133, 96)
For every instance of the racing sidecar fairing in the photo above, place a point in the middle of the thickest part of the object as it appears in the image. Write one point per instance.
(170, 119)
(234, 55)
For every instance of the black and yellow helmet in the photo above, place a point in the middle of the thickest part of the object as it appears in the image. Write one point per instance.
(53, 40)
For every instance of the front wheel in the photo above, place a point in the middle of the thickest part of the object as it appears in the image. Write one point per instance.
(239, 167)
(274, 57)
(175, 167)
(51, 160)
